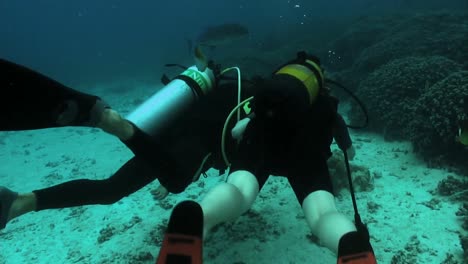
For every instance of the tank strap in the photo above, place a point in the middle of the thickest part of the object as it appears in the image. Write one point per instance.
(192, 84)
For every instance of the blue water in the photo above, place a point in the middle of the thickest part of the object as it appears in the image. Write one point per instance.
(80, 42)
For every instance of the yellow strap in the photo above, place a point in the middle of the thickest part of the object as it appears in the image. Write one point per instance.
(305, 75)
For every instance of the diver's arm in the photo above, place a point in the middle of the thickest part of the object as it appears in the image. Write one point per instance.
(342, 137)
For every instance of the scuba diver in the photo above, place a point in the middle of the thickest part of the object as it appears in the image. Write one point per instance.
(176, 141)
(289, 132)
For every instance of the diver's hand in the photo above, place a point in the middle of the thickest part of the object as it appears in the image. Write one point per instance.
(351, 151)
(239, 129)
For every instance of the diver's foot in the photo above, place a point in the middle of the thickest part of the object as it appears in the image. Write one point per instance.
(355, 248)
(160, 193)
(183, 242)
(7, 197)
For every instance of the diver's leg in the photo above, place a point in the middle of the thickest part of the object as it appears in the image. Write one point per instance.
(131, 177)
(22, 204)
(113, 123)
(34, 101)
(151, 150)
(134, 175)
(325, 221)
(315, 195)
(7, 198)
(229, 200)
(335, 230)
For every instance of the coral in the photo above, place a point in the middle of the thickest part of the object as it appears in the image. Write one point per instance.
(464, 244)
(337, 170)
(442, 34)
(373, 42)
(390, 92)
(373, 207)
(449, 259)
(410, 253)
(361, 34)
(435, 124)
(106, 234)
(454, 188)
(462, 213)
(409, 95)
(363, 181)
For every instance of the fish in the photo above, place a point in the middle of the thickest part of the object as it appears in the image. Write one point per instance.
(463, 132)
(222, 34)
(200, 59)
(215, 36)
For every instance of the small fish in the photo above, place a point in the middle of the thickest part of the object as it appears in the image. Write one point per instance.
(463, 132)
(200, 59)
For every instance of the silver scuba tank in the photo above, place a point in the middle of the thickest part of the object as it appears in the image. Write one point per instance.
(173, 100)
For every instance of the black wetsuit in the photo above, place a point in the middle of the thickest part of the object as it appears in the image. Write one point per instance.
(295, 146)
(38, 101)
(197, 134)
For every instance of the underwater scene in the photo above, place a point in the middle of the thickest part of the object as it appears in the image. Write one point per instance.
(234, 132)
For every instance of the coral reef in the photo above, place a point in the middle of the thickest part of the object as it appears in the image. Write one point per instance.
(362, 33)
(412, 74)
(363, 181)
(390, 92)
(410, 71)
(454, 188)
(441, 33)
(435, 119)
(372, 42)
(420, 99)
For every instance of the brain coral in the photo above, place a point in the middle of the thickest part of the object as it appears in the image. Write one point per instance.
(391, 91)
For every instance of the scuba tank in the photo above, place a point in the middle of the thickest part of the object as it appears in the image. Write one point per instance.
(157, 113)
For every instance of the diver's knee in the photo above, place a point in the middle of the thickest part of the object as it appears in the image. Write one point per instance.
(109, 118)
(243, 178)
(316, 205)
(112, 122)
(246, 183)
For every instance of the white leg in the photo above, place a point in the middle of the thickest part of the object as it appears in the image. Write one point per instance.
(326, 222)
(227, 201)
